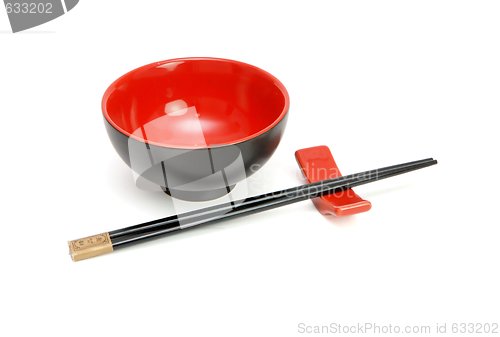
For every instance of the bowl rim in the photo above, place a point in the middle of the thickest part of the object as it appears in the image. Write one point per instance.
(277, 82)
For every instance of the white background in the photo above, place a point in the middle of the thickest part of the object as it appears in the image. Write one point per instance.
(380, 82)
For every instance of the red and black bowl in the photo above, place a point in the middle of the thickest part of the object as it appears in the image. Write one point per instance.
(195, 126)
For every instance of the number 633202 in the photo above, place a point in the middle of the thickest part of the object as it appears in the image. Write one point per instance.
(28, 8)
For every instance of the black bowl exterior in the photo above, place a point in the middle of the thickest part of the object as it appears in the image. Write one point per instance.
(197, 174)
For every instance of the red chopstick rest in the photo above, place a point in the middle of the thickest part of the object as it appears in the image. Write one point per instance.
(317, 163)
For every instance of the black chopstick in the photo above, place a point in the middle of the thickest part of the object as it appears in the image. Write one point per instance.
(107, 242)
(224, 208)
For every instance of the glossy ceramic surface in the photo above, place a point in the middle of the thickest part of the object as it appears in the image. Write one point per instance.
(195, 126)
(316, 164)
(194, 103)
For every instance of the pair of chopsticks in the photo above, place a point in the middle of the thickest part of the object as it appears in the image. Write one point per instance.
(107, 242)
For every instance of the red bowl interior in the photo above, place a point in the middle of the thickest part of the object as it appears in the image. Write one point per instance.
(195, 103)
